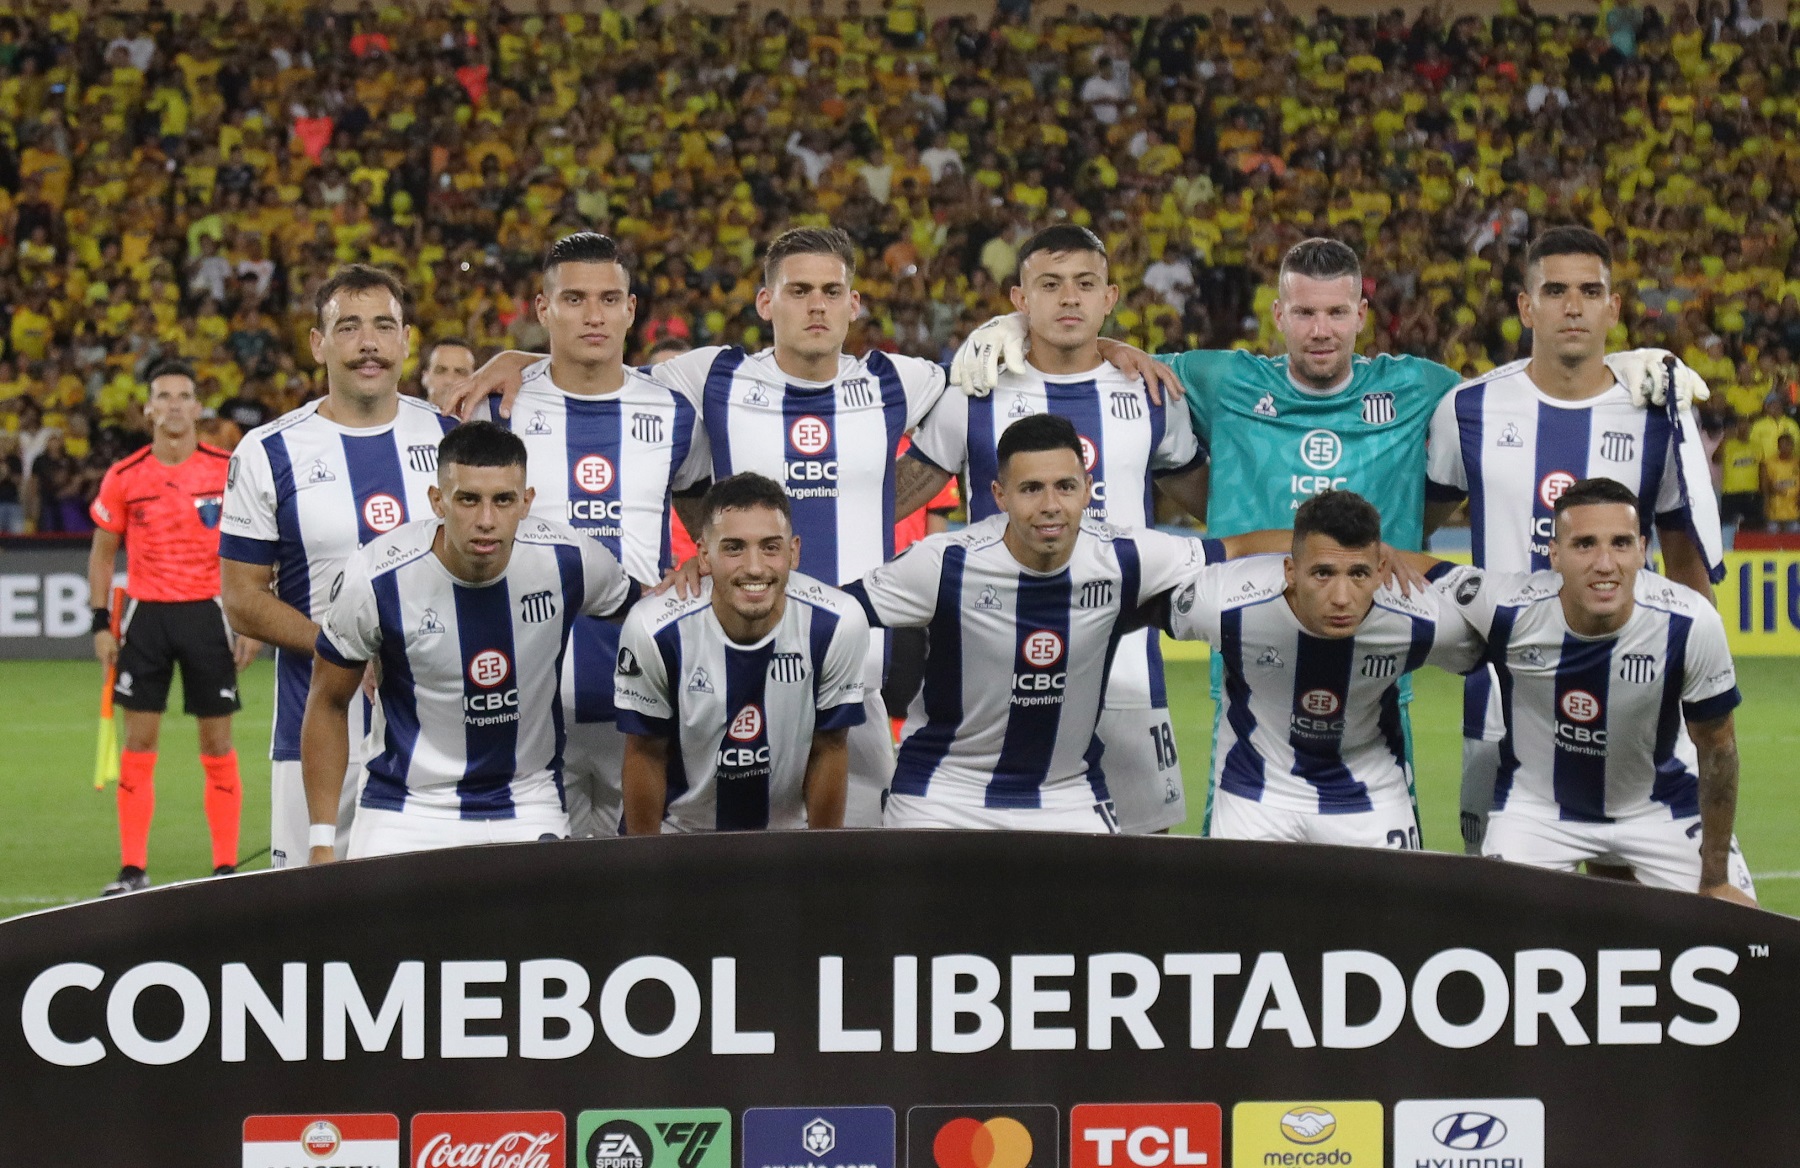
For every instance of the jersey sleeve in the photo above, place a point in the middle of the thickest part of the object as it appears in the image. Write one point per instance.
(942, 439)
(642, 695)
(606, 589)
(247, 528)
(838, 692)
(1456, 644)
(903, 592)
(687, 373)
(1179, 449)
(1709, 680)
(1196, 605)
(696, 468)
(1446, 479)
(1200, 371)
(108, 508)
(923, 382)
(1166, 561)
(1685, 499)
(350, 634)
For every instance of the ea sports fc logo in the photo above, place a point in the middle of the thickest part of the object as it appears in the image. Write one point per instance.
(382, 513)
(1042, 649)
(810, 435)
(747, 725)
(1553, 485)
(1320, 703)
(320, 1140)
(489, 668)
(966, 1142)
(1578, 705)
(593, 474)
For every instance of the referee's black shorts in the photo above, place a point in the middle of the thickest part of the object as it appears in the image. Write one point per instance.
(155, 635)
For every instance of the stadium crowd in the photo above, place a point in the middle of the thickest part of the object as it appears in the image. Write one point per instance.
(178, 184)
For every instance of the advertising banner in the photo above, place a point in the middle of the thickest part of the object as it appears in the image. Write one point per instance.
(44, 599)
(870, 1000)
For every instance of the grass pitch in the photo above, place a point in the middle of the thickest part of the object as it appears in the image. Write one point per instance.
(59, 841)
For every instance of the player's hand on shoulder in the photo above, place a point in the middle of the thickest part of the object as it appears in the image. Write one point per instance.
(1645, 374)
(1728, 891)
(684, 579)
(998, 344)
(1398, 574)
(501, 375)
(1160, 381)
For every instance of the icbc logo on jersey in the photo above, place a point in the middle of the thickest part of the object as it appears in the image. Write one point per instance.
(1320, 702)
(1146, 1135)
(1578, 705)
(382, 513)
(1089, 454)
(810, 435)
(489, 668)
(1553, 485)
(593, 474)
(489, 1139)
(747, 725)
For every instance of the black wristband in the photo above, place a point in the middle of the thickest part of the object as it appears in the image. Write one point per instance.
(102, 620)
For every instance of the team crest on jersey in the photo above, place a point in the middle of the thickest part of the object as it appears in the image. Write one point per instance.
(989, 599)
(209, 507)
(318, 472)
(754, 396)
(1096, 594)
(628, 664)
(1509, 436)
(1265, 406)
(422, 458)
(1638, 668)
(1381, 665)
(1271, 659)
(537, 607)
(1617, 446)
(700, 682)
(539, 425)
(1020, 408)
(429, 624)
(857, 392)
(1378, 409)
(787, 667)
(1126, 406)
(646, 428)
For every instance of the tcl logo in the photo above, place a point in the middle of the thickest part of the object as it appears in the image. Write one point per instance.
(1553, 485)
(1145, 1135)
(494, 1139)
(382, 512)
(593, 474)
(809, 435)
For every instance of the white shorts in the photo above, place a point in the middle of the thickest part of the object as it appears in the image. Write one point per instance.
(1663, 853)
(380, 832)
(871, 763)
(289, 820)
(1143, 774)
(1389, 824)
(593, 763)
(922, 811)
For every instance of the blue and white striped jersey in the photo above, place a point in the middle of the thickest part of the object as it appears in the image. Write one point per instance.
(303, 493)
(1018, 660)
(831, 444)
(606, 466)
(1126, 440)
(1311, 723)
(1595, 726)
(1511, 450)
(741, 718)
(469, 672)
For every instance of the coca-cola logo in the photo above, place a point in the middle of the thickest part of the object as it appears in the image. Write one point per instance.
(492, 1139)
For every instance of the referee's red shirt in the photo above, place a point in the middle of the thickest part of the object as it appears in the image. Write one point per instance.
(169, 519)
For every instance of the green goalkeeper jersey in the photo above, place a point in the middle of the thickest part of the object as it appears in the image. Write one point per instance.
(1274, 445)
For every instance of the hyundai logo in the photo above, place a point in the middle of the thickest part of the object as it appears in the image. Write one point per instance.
(1469, 1130)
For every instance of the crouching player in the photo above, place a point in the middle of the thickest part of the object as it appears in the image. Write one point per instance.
(468, 615)
(737, 703)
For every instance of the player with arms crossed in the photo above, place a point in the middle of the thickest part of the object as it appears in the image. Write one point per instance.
(1313, 647)
(163, 502)
(1512, 442)
(308, 489)
(823, 424)
(1025, 611)
(468, 614)
(608, 445)
(1128, 443)
(737, 704)
(1617, 688)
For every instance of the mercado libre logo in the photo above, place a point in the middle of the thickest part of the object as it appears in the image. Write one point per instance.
(1021, 1136)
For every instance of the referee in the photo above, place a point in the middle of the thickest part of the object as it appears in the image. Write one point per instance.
(164, 502)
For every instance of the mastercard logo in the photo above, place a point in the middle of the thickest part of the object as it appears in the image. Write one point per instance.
(1001, 1142)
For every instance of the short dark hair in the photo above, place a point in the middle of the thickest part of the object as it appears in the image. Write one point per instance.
(481, 443)
(831, 241)
(1061, 238)
(170, 367)
(1036, 433)
(1568, 240)
(583, 247)
(1344, 516)
(1321, 259)
(358, 278)
(669, 345)
(742, 492)
(452, 342)
(1589, 492)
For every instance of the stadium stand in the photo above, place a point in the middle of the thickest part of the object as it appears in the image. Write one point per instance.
(178, 183)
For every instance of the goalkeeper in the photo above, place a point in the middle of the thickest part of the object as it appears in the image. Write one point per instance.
(1282, 429)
